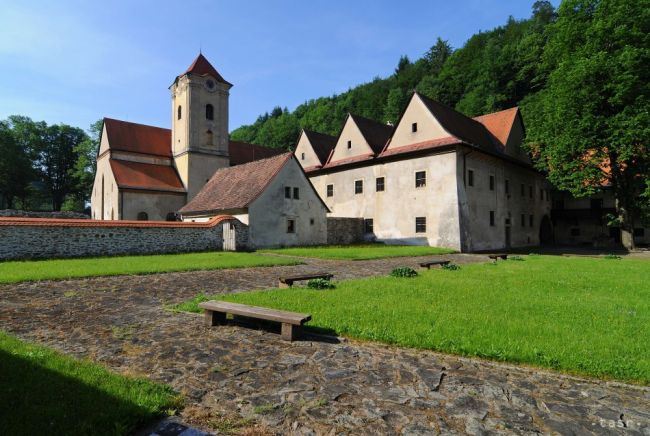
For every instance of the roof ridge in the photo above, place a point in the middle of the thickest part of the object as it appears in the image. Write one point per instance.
(134, 123)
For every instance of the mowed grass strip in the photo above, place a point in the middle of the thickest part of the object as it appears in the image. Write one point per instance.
(578, 315)
(46, 392)
(360, 251)
(59, 269)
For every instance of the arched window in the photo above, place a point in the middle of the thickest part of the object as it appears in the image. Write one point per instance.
(209, 112)
(179, 111)
(142, 216)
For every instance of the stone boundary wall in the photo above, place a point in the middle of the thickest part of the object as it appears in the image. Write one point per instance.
(33, 238)
(344, 231)
(15, 213)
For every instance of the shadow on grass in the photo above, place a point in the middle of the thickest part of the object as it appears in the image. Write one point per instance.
(38, 400)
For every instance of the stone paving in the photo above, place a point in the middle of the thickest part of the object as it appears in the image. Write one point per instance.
(244, 379)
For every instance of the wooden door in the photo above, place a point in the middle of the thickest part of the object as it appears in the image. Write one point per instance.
(229, 237)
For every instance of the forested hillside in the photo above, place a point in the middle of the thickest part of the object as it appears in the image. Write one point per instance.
(494, 70)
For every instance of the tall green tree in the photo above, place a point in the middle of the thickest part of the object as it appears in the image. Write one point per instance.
(394, 105)
(15, 168)
(592, 121)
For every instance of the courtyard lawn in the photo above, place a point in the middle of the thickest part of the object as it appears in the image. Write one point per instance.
(578, 315)
(360, 251)
(45, 392)
(57, 269)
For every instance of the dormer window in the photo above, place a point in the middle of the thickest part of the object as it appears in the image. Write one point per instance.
(179, 112)
(414, 127)
(349, 144)
(209, 112)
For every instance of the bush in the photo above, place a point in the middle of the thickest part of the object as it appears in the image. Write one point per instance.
(320, 284)
(451, 267)
(612, 256)
(515, 258)
(403, 271)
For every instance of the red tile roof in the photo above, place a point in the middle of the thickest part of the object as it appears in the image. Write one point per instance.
(425, 145)
(49, 222)
(202, 67)
(236, 187)
(321, 143)
(499, 123)
(242, 152)
(138, 138)
(137, 175)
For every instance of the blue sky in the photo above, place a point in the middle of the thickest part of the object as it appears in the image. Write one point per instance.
(77, 61)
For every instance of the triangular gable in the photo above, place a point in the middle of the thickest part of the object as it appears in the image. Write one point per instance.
(305, 153)
(500, 124)
(357, 138)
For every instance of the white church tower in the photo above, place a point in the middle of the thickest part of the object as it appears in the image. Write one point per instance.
(199, 124)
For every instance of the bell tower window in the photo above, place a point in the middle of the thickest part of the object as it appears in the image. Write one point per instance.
(209, 112)
(179, 112)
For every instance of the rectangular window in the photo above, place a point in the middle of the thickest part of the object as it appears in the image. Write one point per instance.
(491, 183)
(287, 192)
(291, 226)
(470, 178)
(311, 221)
(507, 187)
(421, 224)
(330, 190)
(530, 220)
(302, 156)
(379, 184)
(523, 190)
(541, 194)
(349, 144)
(575, 231)
(368, 225)
(358, 186)
(596, 203)
(296, 193)
(420, 179)
(414, 127)
(530, 191)
(523, 220)
(492, 218)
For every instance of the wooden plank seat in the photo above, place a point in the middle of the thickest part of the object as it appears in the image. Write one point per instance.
(214, 313)
(287, 282)
(498, 256)
(435, 262)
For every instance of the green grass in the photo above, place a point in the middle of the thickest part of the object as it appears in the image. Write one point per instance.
(59, 269)
(360, 252)
(577, 315)
(45, 392)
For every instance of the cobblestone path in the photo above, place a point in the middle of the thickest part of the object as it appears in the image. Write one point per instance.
(238, 378)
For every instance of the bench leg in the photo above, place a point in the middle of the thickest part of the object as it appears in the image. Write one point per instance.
(213, 318)
(290, 332)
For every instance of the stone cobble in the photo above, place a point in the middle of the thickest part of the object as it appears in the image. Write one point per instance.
(236, 377)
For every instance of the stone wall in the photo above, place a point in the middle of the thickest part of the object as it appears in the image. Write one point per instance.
(24, 238)
(343, 231)
(14, 213)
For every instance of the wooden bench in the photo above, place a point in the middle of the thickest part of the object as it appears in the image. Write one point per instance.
(431, 263)
(495, 257)
(214, 313)
(287, 282)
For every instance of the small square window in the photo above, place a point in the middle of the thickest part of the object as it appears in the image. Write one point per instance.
(291, 226)
(421, 224)
(491, 183)
(507, 187)
(302, 156)
(330, 190)
(379, 183)
(287, 192)
(358, 186)
(368, 225)
(575, 231)
(296, 193)
(523, 220)
(420, 179)
(349, 144)
(492, 218)
(470, 178)
(530, 220)
(414, 127)
(311, 221)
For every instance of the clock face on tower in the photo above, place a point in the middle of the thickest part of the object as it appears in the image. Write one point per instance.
(209, 84)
